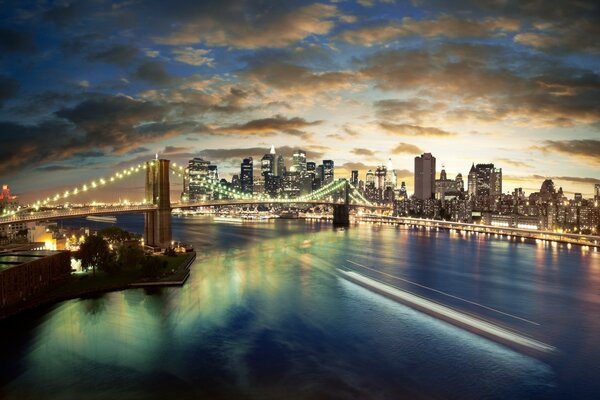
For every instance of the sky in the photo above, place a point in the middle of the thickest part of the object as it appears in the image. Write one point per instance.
(90, 87)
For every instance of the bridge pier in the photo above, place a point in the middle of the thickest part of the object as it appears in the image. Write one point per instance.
(341, 212)
(157, 224)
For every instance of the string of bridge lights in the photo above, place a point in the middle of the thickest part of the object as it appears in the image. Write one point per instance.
(207, 182)
(100, 182)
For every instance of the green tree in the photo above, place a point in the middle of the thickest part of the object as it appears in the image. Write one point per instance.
(114, 234)
(131, 256)
(94, 253)
(153, 266)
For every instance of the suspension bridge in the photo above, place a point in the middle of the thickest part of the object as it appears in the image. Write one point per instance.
(157, 205)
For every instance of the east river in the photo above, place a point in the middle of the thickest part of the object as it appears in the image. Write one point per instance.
(265, 315)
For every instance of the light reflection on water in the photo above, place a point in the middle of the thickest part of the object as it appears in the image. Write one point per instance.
(265, 316)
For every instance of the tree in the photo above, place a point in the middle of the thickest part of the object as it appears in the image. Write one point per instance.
(131, 255)
(94, 253)
(153, 266)
(114, 234)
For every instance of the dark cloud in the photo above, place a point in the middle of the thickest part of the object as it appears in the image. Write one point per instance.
(514, 163)
(118, 54)
(413, 130)
(414, 110)
(362, 152)
(445, 25)
(243, 24)
(577, 148)
(407, 148)
(298, 79)
(312, 153)
(270, 126)
(576, 179)
(53, 168)
(15, 41)
(113, 125)
(489, 83)
(9, 88)
(153, 72)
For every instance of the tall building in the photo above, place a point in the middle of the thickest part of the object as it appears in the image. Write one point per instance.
(424, 176)
(197, 172)
(213, 172)
(328, 174)
(298, 162)
(597, 191)
(390, 178)
(460, 184)
(247, 175)
(485, 185)
(354, 178)
(267, 163)
(472, 182)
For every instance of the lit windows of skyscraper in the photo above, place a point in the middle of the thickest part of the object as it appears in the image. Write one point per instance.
(247, 175)
(198, 171)
(328, 173)
(424, 176)
(298, 162)
(354, 178)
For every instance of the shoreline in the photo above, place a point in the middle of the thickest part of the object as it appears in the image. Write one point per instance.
(177, 278)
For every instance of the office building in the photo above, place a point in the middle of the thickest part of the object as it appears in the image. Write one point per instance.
(424, 176)
(247, 175)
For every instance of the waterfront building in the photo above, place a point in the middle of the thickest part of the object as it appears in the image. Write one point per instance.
(424, 176)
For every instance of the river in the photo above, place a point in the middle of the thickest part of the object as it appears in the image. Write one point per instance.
(264, 315)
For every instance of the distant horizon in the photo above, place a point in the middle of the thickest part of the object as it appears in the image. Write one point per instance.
(403, 175)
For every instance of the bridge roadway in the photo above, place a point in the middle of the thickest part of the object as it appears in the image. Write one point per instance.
(549, 236)
(84, 211)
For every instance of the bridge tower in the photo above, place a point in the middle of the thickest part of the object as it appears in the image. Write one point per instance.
(157, 224)
(341, 212)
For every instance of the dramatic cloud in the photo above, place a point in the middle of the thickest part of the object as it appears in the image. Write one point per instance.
(251, 25)
(270, 126)
(407, 148)
(585, 148)
(235, 155)
(485, 85)
(414, 110)
(362, 152)
(298, 79)
(192, 56)
(413, 130)
(153, 72)
(446, 25)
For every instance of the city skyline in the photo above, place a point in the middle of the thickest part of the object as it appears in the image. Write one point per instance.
(229, 170)
(85, 89)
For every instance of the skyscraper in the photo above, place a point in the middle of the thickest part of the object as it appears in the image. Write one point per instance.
(424, 176)
(198, 172)
(390, 178)
(485, 185)
(328, 171)
(247, 175)
(354, 178)
(597, 191)
(299, 162)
